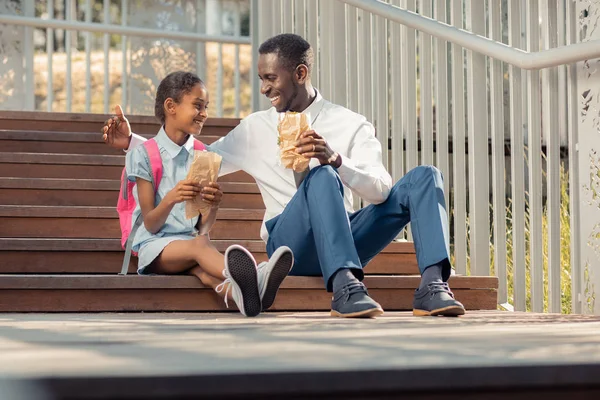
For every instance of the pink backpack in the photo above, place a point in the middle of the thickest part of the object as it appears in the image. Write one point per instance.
(126, 203)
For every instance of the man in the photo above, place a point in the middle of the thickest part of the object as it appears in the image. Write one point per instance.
(316, 219)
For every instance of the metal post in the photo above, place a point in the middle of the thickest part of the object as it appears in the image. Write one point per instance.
(535, 165)
(106, 58)
(517, 162)
(29, 84)
(50, 53)
(498, 170)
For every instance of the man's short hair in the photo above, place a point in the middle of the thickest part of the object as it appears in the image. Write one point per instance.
(291, 49)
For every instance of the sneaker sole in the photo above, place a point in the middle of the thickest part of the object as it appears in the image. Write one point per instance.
(243, 271)
(281, 269)
(370, 313)
(450, 311)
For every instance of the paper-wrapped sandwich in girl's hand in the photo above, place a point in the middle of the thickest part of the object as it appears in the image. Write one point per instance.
(291, 126)
(204, 169)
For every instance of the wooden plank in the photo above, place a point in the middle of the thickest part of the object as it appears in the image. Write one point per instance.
(113, 173)
(59, 184)
(18, 146)
(93, 127)
(109, 262)
(399, 282)
(67, 118)
(110, 300)
(59, 197)
(115, 282)
(107, 228)
(77, 197)
(28, 135)
(387, 263)
(390, 300)
(72, 122)
(60, 171)
(100, 184)
(62, 159)
(77, 137)
(71, 117)
(108, 212)
(63, 262)
(39, 168)
(66, 147)
(39, 244)
(156, 300)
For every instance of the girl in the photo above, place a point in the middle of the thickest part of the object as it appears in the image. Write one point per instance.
(167, 242)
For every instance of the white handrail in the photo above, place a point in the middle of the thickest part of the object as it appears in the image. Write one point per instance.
(522, 59)
(120, 30)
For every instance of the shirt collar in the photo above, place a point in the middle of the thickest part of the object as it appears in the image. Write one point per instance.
(315, 107)
(172, 148)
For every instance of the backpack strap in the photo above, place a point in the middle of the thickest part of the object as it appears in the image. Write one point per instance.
(198, 145)
(156, 167)
(129, 246)
(155, 162)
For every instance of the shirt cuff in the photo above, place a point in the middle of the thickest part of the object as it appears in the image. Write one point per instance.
(347, 170)
(136, 140)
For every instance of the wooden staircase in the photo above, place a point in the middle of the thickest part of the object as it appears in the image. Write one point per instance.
(59, 231)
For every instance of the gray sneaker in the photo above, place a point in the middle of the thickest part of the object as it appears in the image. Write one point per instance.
(436, 299)
(353, 301)
(242, 280)
(272, 273)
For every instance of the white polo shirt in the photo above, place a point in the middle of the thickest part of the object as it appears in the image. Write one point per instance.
(252, 147)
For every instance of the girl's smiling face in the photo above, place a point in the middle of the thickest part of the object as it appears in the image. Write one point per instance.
(191, 112)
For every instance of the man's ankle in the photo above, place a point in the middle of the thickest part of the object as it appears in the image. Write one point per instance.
(431, 274)
(343, 277)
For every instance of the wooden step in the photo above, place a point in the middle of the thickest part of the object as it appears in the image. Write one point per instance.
(20, 141)
(103, 222)
(104, 256)
(76, 293)
(73, 122)
(99, 192)
(75, 166)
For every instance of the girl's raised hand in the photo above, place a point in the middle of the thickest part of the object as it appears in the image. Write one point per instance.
(116, 131)
(212, 194)
(184, 190)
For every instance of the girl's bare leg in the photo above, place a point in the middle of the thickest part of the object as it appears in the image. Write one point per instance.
(181, 255)
(210, 280)
(198, 256)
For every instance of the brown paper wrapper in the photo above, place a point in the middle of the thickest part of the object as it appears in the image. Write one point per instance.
(291, 126)
(204, 169)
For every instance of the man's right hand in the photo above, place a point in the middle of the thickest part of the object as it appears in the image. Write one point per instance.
(116, 131)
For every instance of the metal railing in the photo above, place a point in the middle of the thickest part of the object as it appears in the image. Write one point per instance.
(173, 34)
(500, 136)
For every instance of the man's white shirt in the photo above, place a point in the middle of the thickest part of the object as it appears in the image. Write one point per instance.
(252, 147)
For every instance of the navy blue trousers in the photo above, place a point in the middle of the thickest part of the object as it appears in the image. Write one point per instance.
(325, 237)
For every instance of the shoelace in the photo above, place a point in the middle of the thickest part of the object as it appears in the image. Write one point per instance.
(351, 288)
(221, 286)
(439, 287)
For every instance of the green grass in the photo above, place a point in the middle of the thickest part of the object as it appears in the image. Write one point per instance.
(565, 251)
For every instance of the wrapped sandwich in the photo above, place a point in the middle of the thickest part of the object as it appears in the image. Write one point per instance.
(204, 169)
(291, 126)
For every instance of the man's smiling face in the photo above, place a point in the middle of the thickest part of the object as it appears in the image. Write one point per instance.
(277, 82)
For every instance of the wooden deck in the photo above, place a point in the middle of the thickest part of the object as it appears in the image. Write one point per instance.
(484, 354)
